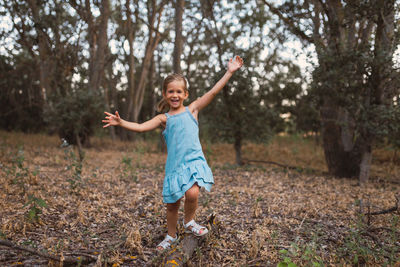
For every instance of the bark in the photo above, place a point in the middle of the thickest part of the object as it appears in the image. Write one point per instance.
(178, 47)
(99, 45)
(179, 255)
(109, 86)
(340, 153)
(131, 32)
(365, 166)
(45, 65)
(162, 146)
(153, 85)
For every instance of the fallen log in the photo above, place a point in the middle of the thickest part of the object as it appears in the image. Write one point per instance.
(180, 254)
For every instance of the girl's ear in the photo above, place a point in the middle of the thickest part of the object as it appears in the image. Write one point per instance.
(186, 94)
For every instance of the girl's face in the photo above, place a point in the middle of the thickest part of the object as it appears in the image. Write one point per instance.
(175, 94)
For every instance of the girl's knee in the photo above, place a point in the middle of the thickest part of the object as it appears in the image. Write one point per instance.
(173, 206)
(192, 194)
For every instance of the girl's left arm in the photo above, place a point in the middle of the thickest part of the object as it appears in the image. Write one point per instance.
(203, 101)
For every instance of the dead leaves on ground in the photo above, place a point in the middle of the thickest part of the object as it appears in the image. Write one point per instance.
(116, 214)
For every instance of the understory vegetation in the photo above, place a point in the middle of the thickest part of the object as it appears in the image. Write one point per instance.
(281, 208)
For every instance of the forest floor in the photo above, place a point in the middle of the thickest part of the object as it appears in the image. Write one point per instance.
(109, 210)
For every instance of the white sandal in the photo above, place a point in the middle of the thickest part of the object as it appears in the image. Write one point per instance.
(194, 228)
(166, 243)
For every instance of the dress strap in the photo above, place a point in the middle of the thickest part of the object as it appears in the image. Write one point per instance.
(166, 114)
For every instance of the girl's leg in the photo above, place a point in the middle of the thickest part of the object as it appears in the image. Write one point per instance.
(172, 217)
(191, 198)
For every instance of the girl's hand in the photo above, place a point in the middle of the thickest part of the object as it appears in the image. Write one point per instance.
(234, 65)
(112, 120)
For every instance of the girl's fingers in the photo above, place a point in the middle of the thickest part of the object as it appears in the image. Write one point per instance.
(106, 125)
(109, 114)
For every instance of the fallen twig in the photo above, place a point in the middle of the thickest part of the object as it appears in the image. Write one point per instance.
(390, 210)
(277, 164)
(271, 162)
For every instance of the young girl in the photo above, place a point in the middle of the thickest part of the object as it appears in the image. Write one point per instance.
(186, 169)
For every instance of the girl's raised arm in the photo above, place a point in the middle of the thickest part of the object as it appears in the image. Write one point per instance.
(115, 120)
(200, 103)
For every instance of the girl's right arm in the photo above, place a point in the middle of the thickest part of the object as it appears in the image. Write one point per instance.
(115, 120)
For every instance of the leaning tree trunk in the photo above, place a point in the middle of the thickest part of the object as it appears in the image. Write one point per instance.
(154, 37)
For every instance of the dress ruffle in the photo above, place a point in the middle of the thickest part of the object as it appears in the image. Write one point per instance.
(177, 183)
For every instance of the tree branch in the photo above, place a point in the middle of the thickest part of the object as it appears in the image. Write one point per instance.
(293, 28)
(83, 259)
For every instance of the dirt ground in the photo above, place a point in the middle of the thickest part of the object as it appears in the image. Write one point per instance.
(108, 211)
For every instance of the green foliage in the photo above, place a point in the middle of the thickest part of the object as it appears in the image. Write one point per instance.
(382, 122)
(75, 164)
(306, 254)
(18, 172)
(360, 247)
(238, 112)
(20, 103)
(75, 116)
(30, 65)
(305, 114)
(129, 172)
(35, 208)
(286, 261)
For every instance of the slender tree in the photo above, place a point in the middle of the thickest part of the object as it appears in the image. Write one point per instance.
(155, 13)
(178, 46)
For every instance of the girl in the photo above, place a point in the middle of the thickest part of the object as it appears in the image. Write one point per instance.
(186, 169)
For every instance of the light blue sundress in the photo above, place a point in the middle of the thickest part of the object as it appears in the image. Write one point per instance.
(186, 164)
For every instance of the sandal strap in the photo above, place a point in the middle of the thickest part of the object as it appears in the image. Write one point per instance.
(168, 240)
(195, 227)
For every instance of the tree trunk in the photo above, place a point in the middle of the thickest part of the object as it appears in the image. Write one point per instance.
(238, 147)
(178, 47)
(45, 66)
(109, 87)
(341, 154)
(100, 38)
(155, 14)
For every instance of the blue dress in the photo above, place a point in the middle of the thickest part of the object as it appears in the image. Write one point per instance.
(186, 164)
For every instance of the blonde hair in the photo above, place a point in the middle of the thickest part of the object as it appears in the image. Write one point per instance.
(162, 106)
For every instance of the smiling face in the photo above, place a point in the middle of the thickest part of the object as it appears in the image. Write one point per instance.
(175, 94)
